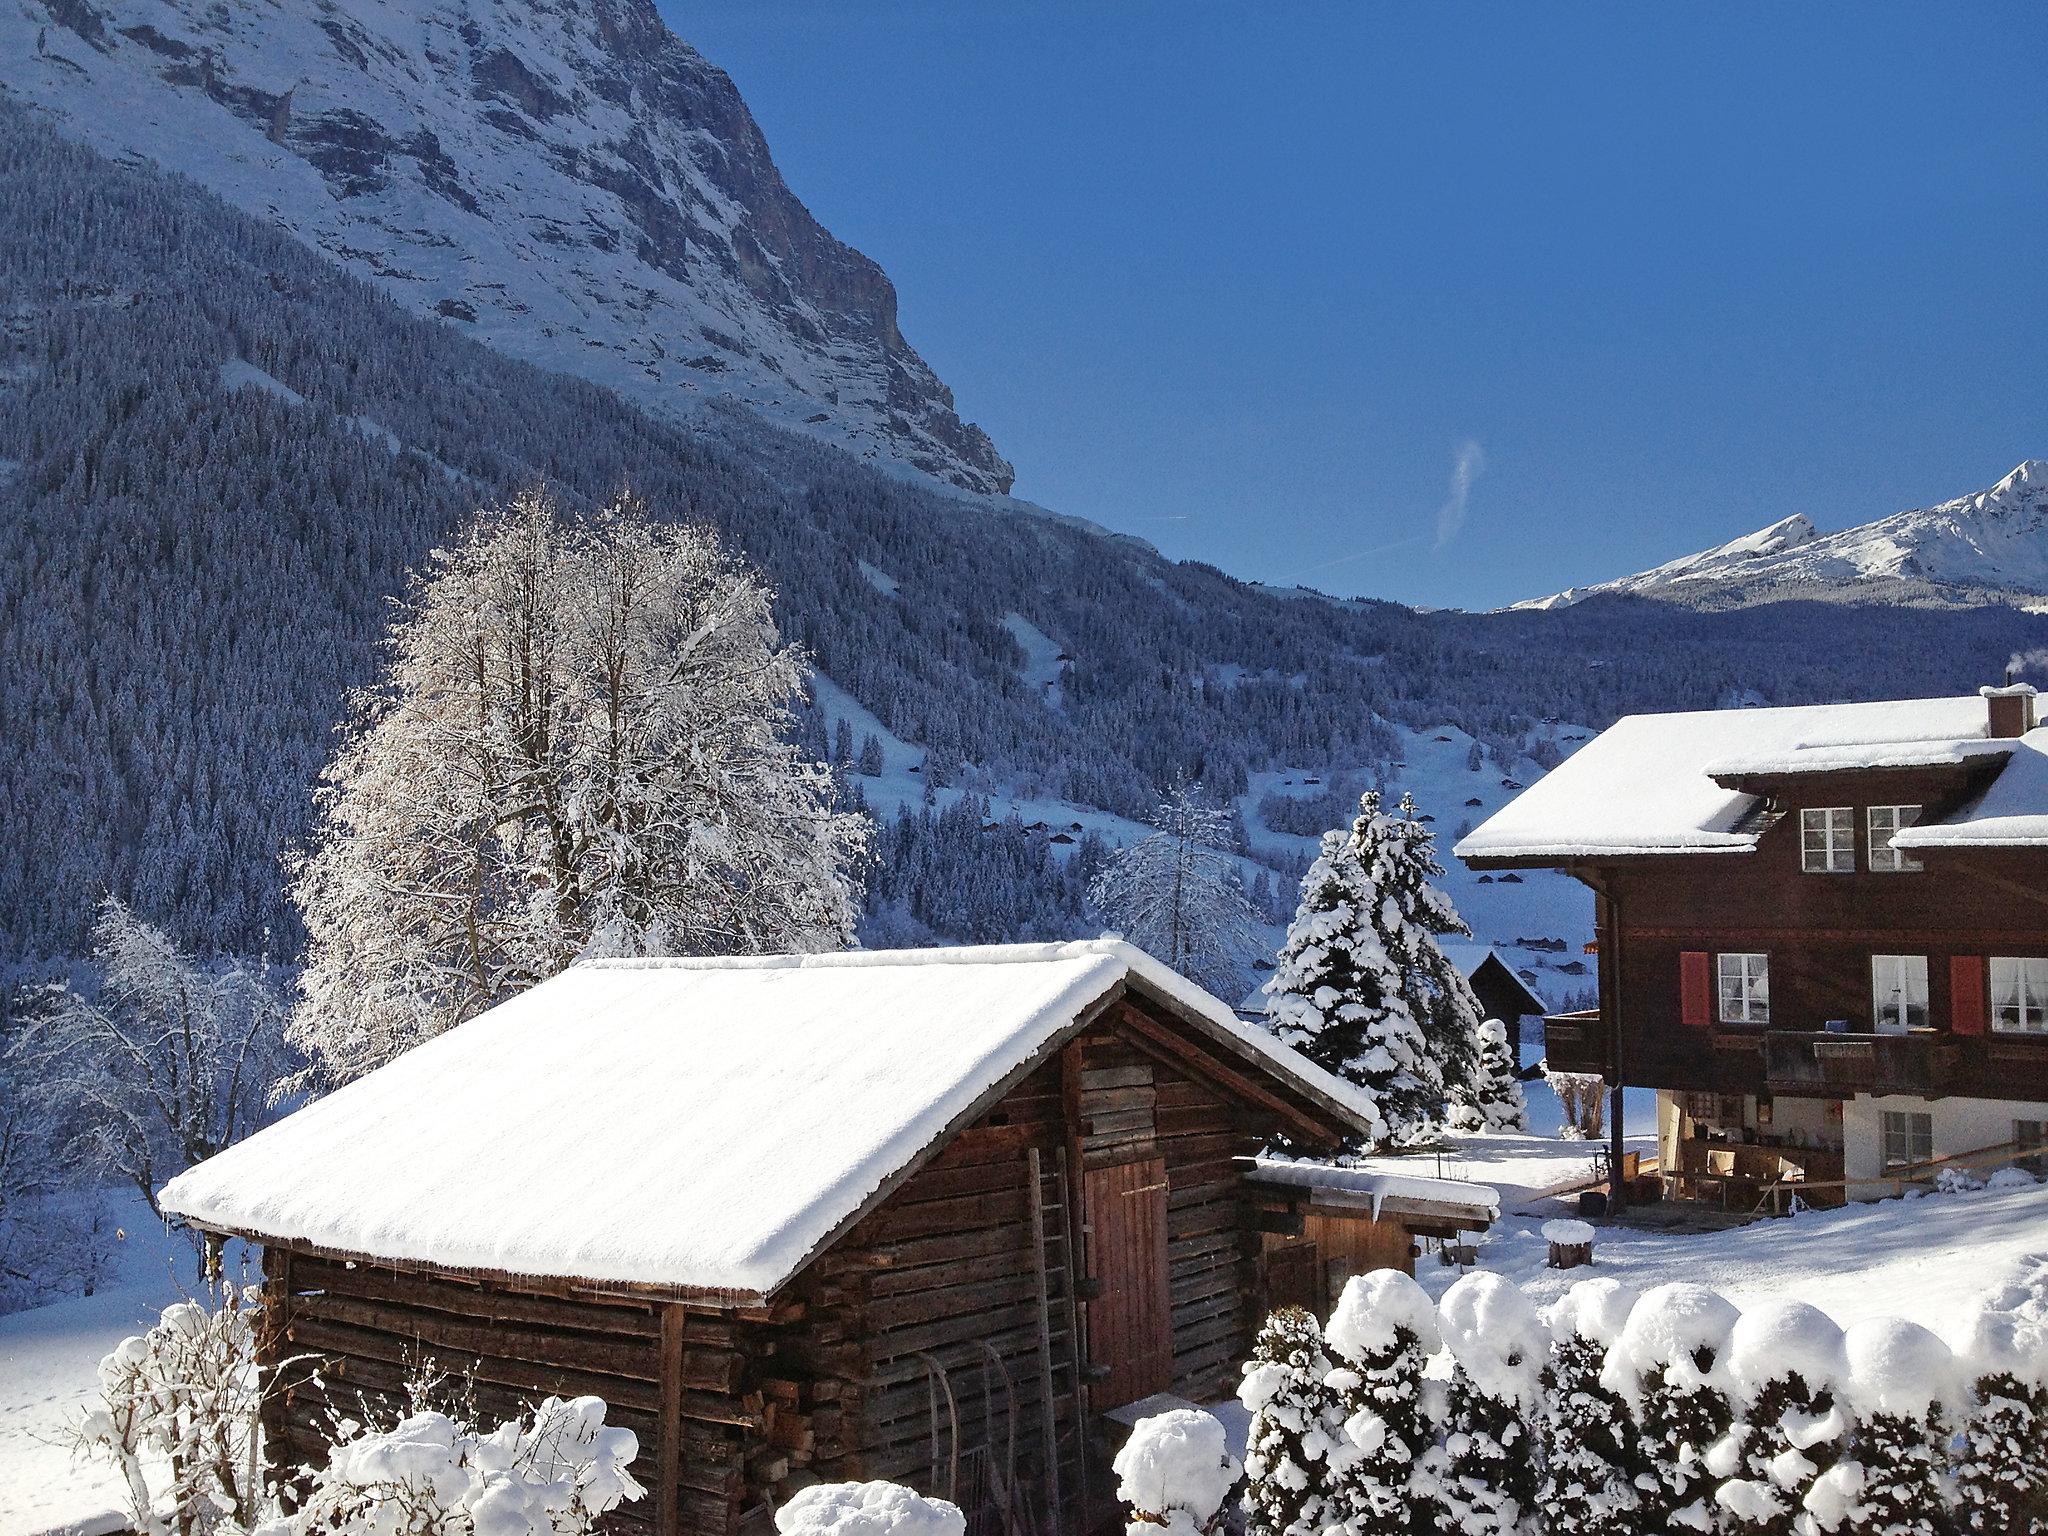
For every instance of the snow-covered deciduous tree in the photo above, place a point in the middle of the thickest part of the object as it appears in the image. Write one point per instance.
(177, 1418)
(1177, 895)
(579, 746)
(1786, 1361)
(162, 1065)
(1382, 1334)
(1670, 1366)
(1494, 1100)
(1487, 1476)
(1583, 1097)
(1294, 1430)
(1176, 1472)
(2001, 1460)
(1901, 1381)
(1588, 1434)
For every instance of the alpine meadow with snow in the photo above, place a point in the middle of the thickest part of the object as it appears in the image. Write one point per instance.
(603, 931)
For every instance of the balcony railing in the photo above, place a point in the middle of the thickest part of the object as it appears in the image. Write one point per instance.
(1575, 1042)
(1924, 1064)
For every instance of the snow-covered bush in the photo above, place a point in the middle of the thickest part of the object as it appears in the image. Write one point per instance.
(1382, 1334)
(1583, 1096)
(1670, 1366)
(552, 1473)
(1494, 1101)
(1787, 1364)
(1487, 1480)
(1175, 1472)
(1588, 1435)
(867, 1509)
(1901, 1382)
(1294, 1430)
(2001, 1456)
(177, 1418)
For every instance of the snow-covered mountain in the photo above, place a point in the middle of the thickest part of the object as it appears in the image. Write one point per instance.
(564, 179)
(1990, 543)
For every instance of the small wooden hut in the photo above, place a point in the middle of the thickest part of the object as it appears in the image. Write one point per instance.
(927, 1215)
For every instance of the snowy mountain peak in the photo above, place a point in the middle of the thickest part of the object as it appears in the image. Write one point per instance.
(563, 178)
(1987, 543)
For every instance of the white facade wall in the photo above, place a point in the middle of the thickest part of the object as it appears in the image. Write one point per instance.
(1960, 1125)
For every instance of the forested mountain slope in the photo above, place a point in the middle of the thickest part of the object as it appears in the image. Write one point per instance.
(219, 456)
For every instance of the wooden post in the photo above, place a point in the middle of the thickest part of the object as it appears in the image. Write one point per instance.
(1047, 1409)
(668, 1453)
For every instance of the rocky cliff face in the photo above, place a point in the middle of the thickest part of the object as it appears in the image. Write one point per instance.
(563, 178)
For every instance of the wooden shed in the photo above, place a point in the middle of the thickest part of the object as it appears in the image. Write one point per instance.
(922, 1215)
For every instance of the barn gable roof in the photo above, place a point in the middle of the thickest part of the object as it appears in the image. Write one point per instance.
(701, 1125)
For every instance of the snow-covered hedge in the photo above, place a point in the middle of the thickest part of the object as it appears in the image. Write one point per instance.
(1670, 1411)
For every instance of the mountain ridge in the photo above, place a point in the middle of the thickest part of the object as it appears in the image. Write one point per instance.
(564, 179)
(1984, 546)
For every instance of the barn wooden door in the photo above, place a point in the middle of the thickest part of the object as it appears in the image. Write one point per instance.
(1130, 1322)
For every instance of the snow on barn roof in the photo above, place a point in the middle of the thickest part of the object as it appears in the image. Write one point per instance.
(702, 1124)
(2012, 812)
(1646, 785)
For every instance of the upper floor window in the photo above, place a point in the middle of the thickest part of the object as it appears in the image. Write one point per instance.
(1898, 992)
(1827, 840)
(2019, 994)
(1745, 989)
(1884, 821)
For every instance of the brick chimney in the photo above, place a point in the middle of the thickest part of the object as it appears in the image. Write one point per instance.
(2011, 708)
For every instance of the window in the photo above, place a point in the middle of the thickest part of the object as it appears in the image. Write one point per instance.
(1908, 1137)
(1884, 821)
(2027, 1134)
(2019, 995)
(1745, 989)
(1898, 993)
(1827, 843)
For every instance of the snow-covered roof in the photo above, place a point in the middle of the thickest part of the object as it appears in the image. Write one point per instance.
(2012, 812)
(1646, 785)
(1384, 1191)
(701, 1124)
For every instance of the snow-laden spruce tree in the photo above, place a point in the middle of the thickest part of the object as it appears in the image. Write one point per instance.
(1588, 1435)
(1361, 986)
(1499, 1347)
(1902, 1383)
(2001, 1459)
(162, 1064)
(1494, 1101)
(1295, 1428)
(1670, 1366)
(579, 746)
(1787, 1364)
(1382, 1334)
(1177, 895)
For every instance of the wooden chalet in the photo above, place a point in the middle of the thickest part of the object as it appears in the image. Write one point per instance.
(930, 1216)
(1822, 936)
(1502, 992)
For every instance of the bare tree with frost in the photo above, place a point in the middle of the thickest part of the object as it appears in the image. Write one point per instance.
(164, 1064)
(580, 745)
(1177, 895)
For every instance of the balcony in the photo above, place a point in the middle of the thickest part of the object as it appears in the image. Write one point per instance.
(1575, 1042)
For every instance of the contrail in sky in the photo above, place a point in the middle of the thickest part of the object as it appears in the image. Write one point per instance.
(1450, 517)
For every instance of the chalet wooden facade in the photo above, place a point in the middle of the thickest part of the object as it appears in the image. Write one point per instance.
(1822, 934)
(1060, 1221)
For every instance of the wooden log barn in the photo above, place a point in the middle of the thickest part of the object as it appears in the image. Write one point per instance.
(928, 1216)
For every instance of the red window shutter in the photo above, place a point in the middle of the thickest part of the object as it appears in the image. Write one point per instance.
(1695, 996)
(1966, 994)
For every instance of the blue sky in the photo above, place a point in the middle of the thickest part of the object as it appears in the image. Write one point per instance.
(1262, 284)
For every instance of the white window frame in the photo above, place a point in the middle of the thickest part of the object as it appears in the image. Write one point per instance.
(1836, 852)
(1742, 992)
(1883, 821)
(2025, 979)
(1905, 1136)
(1898, 989)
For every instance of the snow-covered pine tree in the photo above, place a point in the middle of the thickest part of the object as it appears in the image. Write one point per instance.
(1494, 1101)
(1670, 1366)
(1177, 895)
(1381, 1334)
(1588, 1436)
(1294, 1428)
(580, 745)
(1488, 1481)
(1901, 1381)
(1787, 1364)
(2001, 1460)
